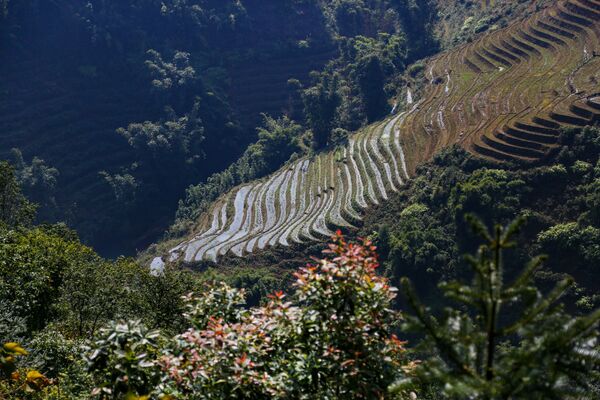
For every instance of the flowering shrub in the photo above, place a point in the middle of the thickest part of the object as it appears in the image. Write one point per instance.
(334, 340)
(229, 360)
(346, 324)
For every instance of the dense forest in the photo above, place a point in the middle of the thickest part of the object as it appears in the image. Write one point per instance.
(123, 124)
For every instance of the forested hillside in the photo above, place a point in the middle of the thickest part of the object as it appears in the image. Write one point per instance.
(346, 199)
(120, 107)
(173, 75)
(338, 321)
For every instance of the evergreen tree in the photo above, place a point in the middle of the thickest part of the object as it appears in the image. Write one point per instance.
(505, 340)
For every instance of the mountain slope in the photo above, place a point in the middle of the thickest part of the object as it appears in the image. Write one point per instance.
(502, 97)
(74, 72)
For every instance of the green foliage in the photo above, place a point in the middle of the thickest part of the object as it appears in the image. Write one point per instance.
(351, 18)
(320, 104)
(420, 244)
(13, 326)
(390, 50)
(32, 267)
(158, 300)
(572, 248)
(504, 340)
(54, 292)
(334, 339)
(37, 179)
(426, 245)
(15, 209)
(339, 137)
(47, 277)
(87, 298)
(55, 354)
(176, 137)
(492, 193)
(61, 360)
(219, 301)
(98, 291)
(124, 186)
(168, 75)
(278, 139)
(121, 360)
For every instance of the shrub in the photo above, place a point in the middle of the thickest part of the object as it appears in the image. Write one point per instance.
(14, 381)
(332, 339)
(122, 361)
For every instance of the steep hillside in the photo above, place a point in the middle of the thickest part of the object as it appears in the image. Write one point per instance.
(503, 97)
(73, 73)
(261, 85)
(71, 123)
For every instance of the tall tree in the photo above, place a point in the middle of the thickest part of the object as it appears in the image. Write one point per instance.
(505, 340)
(371, 80)
(320, 105)
(15, 209)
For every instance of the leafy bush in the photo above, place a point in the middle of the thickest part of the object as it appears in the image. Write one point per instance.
(121, 360)
(16, 382)
(32, 267)
(333, 339)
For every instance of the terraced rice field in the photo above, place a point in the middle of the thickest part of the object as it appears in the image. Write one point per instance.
(305, 200)
(506, 95)
(503, 97)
